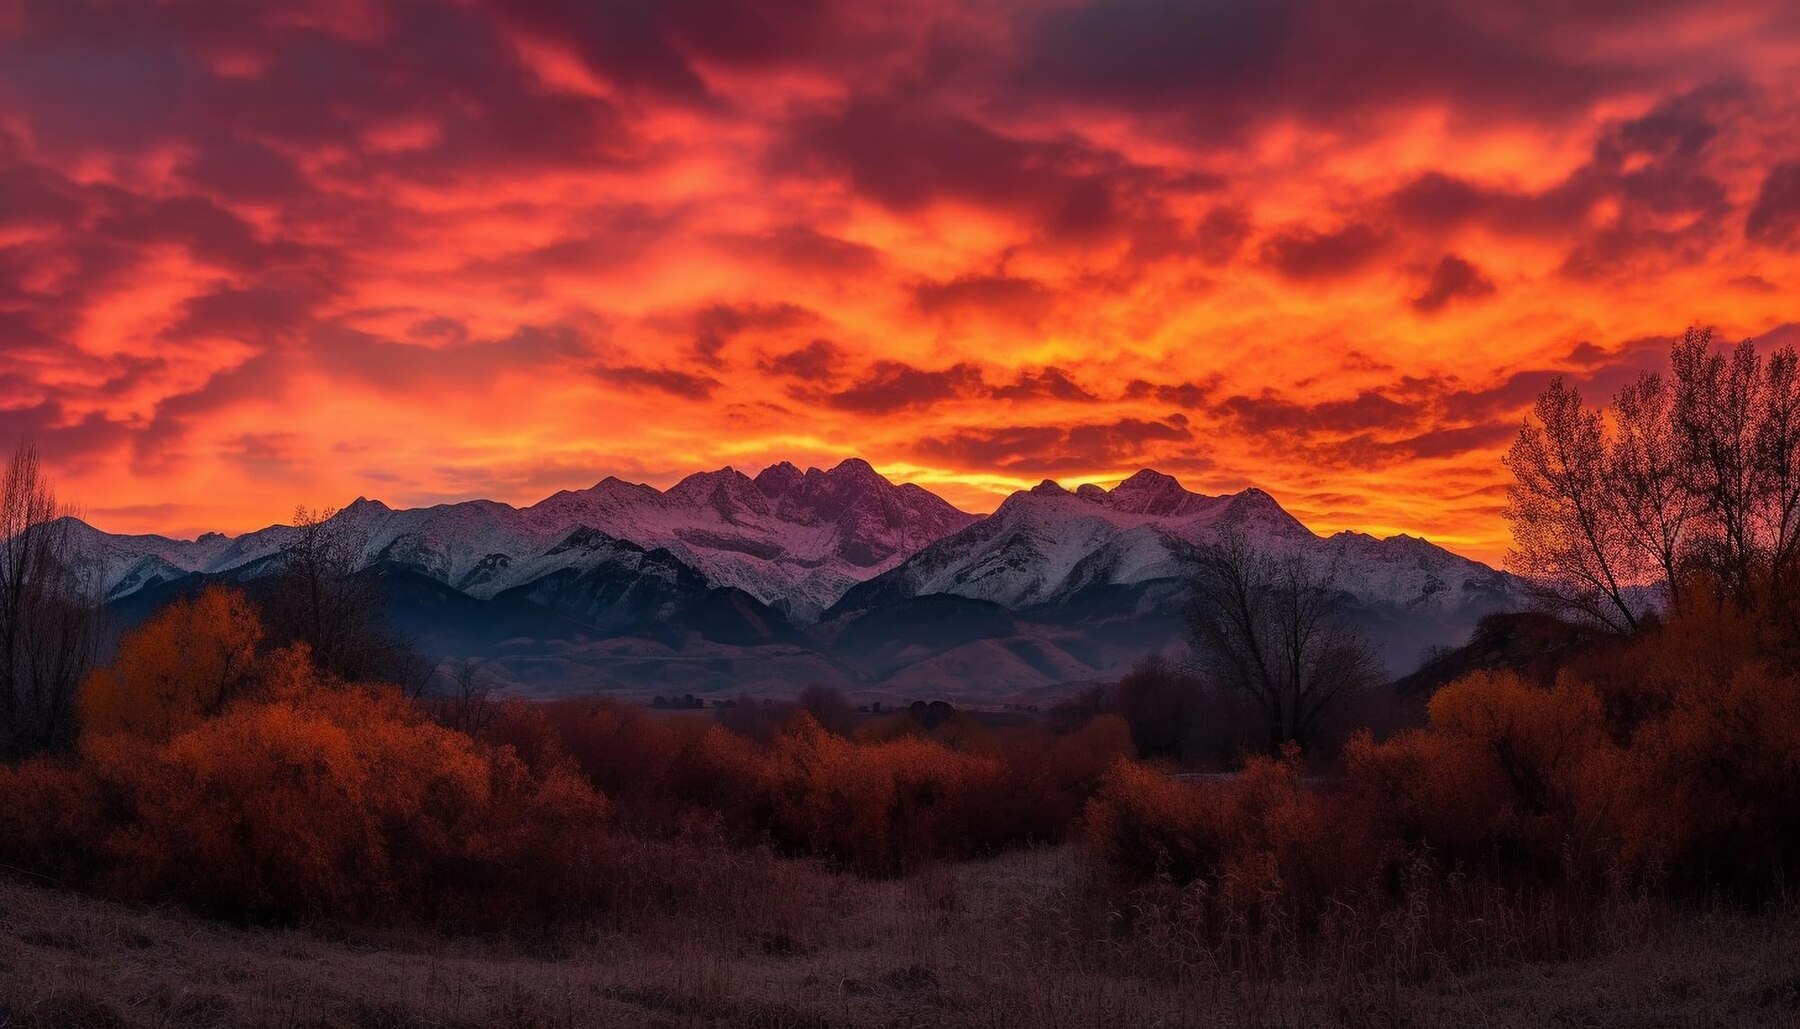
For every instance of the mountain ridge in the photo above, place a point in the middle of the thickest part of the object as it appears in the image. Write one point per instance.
(832, 573)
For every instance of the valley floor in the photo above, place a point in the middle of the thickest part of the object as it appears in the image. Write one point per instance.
(973, 945)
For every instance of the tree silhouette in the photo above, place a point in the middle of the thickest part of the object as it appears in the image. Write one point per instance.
(49, 613)
(1267, 627)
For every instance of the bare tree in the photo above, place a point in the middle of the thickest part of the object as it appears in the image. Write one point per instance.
(465, 704)
(1654, 507)
(324, 597)
(1777, 446)
(1715, 415)
(1568, 539)
(49, 613)
(1269, 629)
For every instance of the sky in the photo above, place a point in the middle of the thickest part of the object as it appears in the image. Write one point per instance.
(254, 256)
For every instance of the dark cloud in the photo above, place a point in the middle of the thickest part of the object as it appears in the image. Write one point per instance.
(1218, 67)
(243, 169)
(1648, 193)
(903, 155)
(1191, 395)
(1370, 451)
(1307, 254)
(673, 381)
(1052, 450)
(1050, 383)
(1270, 412)
(1019, 299)
(715, 325)
(1452, 279)
(259, 312)
(60, 436)
(263, 376)
(815, 362)
(403, 367)
(891, 386)
(804, 248)
(623, 42)
(266, 455)
(1775, 218)
(600, 238)
(1221, 233)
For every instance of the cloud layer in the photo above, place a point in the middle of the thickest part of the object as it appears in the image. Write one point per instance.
(253, 255)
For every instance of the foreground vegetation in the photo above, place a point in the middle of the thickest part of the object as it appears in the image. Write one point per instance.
(1581, 837)
(799, 866)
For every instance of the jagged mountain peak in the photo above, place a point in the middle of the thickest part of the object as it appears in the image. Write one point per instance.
(778, 479)
(1147, 478)
(856, 467)
(1152, 492)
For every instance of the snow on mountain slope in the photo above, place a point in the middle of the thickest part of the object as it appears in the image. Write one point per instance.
(1120, 559)
(726, 577)
(1047, 542)
(795, 540)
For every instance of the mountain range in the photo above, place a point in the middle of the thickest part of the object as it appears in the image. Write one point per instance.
(727, 582)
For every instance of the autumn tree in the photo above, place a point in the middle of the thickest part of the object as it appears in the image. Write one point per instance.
(186, 664)
(1269, 628)
(49, 612)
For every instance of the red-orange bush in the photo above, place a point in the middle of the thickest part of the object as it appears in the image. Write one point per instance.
(1260, 836)
(1711, 791)
(1143, 824)
(879, 807)
(1507, 774)
(186, 663)
(1050, 777)
(313, 798)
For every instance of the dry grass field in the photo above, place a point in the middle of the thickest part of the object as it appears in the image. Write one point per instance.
(758, 941)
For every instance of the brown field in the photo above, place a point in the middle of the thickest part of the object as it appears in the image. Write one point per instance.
(758, 941)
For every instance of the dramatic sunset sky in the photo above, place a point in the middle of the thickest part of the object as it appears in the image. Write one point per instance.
(253, 256)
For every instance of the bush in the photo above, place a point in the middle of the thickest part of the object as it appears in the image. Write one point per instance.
(878, 808)
(312, 799)
(185, 664)
(1711, 792)
(1143, 824)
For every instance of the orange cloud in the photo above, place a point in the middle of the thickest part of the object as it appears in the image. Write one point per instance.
(426, 250)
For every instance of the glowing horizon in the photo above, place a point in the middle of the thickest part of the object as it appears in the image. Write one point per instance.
(437, 251)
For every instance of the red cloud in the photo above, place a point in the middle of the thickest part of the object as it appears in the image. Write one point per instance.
(431, 249)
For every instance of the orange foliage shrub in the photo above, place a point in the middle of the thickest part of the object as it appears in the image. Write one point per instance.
(185, 664)
(1260, 837)
(631, 755)
(1143, 824)
(50, 820)
(1049, 779)
(1507, 771)
(317, 799)
(879, 808)
(1423, 789)
(1711, 792)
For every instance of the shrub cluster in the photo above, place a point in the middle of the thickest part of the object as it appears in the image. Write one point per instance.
(1673, 766)
(255, 786)
(247, 781)
(879, 799)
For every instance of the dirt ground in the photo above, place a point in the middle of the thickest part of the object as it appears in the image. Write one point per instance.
(989, 944)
